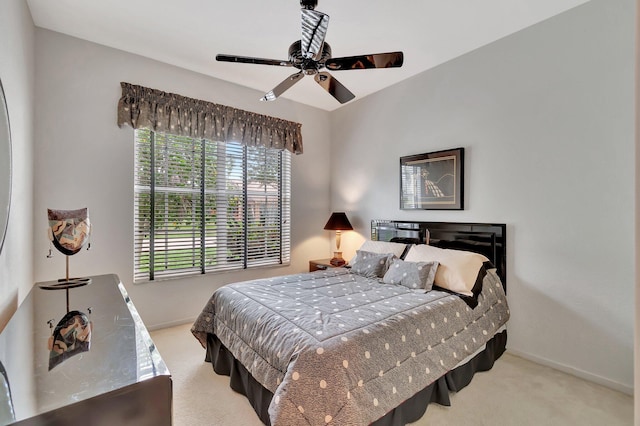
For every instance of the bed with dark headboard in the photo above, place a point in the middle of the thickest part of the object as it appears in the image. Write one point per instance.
(339, 346)
(488, 239)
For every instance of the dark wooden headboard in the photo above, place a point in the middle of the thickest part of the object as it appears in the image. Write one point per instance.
(488, 239)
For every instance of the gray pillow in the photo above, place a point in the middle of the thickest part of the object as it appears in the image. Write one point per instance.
(372, 265)
(415, 275)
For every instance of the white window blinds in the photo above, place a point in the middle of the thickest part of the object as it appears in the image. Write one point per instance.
(203, 206)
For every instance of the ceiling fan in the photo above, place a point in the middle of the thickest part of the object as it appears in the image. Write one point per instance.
(311, 54)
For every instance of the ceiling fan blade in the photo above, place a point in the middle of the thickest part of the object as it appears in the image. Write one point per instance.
(334, 87)
(376, 60)
(250, 60)
(314, 30)
(282, 87)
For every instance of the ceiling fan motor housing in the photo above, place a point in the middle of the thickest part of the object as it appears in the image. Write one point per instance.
(308, 4)
(310, 66)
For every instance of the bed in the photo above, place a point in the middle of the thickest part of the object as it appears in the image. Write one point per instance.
(364, 345)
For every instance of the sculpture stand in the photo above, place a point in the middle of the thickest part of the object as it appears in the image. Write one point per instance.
(66, 283)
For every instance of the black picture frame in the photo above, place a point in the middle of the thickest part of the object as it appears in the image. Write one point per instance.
(432, 181)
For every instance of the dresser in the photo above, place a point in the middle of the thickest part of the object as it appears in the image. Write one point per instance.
(113, 375)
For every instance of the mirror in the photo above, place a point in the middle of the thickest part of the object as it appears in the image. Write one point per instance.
(5, 166)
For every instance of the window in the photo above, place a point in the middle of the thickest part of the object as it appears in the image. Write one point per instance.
(204, 206)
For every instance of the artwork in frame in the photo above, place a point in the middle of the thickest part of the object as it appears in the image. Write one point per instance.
(432, 181)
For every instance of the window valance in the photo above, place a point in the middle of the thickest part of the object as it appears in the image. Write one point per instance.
(142, 107)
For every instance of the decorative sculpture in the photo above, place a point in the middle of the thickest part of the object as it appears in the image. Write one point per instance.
(69, 230)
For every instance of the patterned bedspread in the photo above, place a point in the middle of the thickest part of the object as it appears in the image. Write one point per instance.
(337, 348)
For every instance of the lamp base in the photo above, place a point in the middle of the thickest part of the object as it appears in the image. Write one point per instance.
(337, 259)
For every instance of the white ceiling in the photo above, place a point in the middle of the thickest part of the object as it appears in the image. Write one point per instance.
(189, 33)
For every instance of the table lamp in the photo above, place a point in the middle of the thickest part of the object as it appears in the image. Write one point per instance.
(338, 222)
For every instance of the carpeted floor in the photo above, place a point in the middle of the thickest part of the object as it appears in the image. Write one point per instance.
(514, 392)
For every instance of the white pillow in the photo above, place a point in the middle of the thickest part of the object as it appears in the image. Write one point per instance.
(380, 247)
(458, 270)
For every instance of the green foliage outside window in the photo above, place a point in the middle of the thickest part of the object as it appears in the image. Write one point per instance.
(216, 206)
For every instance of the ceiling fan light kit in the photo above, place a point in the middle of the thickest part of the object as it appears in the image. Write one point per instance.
(311, 55)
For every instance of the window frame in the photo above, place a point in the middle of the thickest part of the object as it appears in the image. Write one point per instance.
(272, 219)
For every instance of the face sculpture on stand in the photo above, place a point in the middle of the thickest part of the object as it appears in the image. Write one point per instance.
(69, 230)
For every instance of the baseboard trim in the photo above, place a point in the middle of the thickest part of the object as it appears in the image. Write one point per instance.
(162, 325)
(611, 384)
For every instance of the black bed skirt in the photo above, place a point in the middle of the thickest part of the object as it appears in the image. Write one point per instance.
(409, 411)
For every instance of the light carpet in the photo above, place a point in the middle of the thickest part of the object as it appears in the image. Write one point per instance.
(514, 392)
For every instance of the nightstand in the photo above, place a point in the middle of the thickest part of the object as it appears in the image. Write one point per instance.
(320, 265)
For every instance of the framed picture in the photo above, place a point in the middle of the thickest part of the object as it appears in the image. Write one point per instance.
(432, 181)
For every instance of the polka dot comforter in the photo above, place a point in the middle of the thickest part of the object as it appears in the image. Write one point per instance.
(338, 348)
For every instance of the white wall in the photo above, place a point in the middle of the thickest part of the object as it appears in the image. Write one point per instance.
(547, 120)
(84, 159)
(637, 217)
(17, 75)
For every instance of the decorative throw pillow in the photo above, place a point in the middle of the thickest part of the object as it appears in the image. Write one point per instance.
(459, 271)
(415, 275)
(371, 265)
(380, 247)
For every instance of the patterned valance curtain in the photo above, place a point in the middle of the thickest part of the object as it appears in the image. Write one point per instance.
(141, 107)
